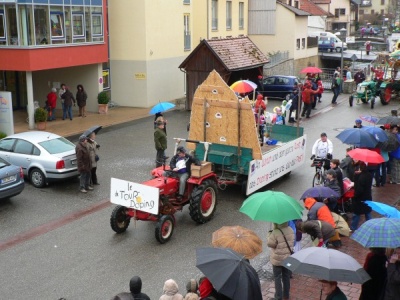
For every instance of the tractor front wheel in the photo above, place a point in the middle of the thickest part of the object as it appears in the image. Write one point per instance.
(351, 99)
(164, 228)
(119, 219)
(372, 102)
(203, 202)
(386, 95)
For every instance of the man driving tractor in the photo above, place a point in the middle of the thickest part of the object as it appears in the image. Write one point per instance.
(180, 165)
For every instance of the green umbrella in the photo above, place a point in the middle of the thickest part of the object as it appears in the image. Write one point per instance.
(276, 207)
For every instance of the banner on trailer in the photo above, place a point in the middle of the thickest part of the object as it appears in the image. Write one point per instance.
(276, 163)
(134, 195)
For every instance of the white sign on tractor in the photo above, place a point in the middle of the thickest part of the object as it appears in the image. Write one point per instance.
(134, 195)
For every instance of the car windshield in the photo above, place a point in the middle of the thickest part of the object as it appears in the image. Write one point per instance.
(58, 145)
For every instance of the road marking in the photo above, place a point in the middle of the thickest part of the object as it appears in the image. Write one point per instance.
(50, 226)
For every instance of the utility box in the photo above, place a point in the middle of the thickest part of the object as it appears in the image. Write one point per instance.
(203, 169)
(349, 86)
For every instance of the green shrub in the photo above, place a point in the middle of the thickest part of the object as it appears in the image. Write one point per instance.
(40, 115)
(2, 135)
(103, 98)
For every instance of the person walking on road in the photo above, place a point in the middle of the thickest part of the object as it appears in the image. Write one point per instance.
(281, 243)
(84, 164)
(320, 231)
(68, 100)
(81, 98)
(170, 291)
(160, 141)
(375, 266)
(62, 90)
(135, 286)
(336, 82)
(93, 147)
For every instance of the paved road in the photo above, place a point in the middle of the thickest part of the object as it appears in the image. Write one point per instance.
(56, 242)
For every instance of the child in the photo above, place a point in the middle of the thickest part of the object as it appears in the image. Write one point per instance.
(280, 119)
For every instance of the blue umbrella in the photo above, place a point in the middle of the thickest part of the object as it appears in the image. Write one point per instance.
(380, 233)
(384, 209)
(357, 137)
(161, 107)
(377, 132)
(319, 192)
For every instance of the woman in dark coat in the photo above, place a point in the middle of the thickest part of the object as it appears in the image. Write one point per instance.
(392, 289)
(362, 192)
(375, 265)
(81, 97)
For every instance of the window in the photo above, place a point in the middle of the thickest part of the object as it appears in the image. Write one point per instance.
(382, 13)
(214, 15)
(186, 1)
(298, 44)
(41, 25)
(23, 147)
(57, 24)
(361, 12)
(241, 15)
(382, 2)
(77, 25)
(372, 12)
(339, 12)
(97, 24)
(106, 79)
(186, 32)
(303, 43)
(228, 14)
(2, 26)
(7, 145)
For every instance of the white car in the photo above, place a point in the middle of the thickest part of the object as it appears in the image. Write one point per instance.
(43, 156)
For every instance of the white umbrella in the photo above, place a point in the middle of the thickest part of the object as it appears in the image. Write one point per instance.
(327, 264)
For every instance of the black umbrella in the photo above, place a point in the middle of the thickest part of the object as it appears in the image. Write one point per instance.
(95, 129)
(389, 120)
(229, 272)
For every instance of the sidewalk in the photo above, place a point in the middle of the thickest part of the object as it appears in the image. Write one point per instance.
(78, 125)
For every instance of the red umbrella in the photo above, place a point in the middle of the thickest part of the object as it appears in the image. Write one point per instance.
(366, 155)
(312, 70)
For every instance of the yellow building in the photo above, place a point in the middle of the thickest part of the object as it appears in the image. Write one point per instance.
(150, 38)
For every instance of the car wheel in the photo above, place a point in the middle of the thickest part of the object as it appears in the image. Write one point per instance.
(338, 49)
(37, 178)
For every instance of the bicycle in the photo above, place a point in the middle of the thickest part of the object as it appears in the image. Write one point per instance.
(319, 177)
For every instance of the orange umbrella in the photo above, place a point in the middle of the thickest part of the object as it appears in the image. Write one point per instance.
(239, 239)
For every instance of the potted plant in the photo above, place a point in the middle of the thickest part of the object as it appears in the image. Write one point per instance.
(40, 118)
(102, 100)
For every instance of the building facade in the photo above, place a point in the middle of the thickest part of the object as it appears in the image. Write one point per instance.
(44, 43)
(150, 39)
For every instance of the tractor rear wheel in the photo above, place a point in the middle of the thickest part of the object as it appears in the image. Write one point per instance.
(164, 228)
(119, 219)
(351, 98)
(372, 102)
(203, 202)
(386, 95)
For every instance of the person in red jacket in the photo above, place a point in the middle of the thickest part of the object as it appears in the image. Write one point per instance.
(51, 104)
(259, 104)
(307, 99)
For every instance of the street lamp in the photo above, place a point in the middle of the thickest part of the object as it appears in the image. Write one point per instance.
(342, 34)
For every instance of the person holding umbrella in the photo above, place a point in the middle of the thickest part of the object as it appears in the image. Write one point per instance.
(392, 289)
(281, 242)
(84, 164)
(93, 146)
(362, 192)
(331, 290)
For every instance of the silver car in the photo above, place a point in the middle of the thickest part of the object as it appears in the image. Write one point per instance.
(43, 156)
(11, 180)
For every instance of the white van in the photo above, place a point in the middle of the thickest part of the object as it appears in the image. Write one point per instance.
(337, 41)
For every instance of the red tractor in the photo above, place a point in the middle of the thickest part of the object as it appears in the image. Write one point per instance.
(200, 194)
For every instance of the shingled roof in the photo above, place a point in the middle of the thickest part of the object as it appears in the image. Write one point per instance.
(234, 53)
(313, 9)
(296, 11)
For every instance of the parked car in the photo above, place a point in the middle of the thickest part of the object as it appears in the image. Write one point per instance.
(326, 44)
(279, 86)
(11, 180)
(43, 156)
